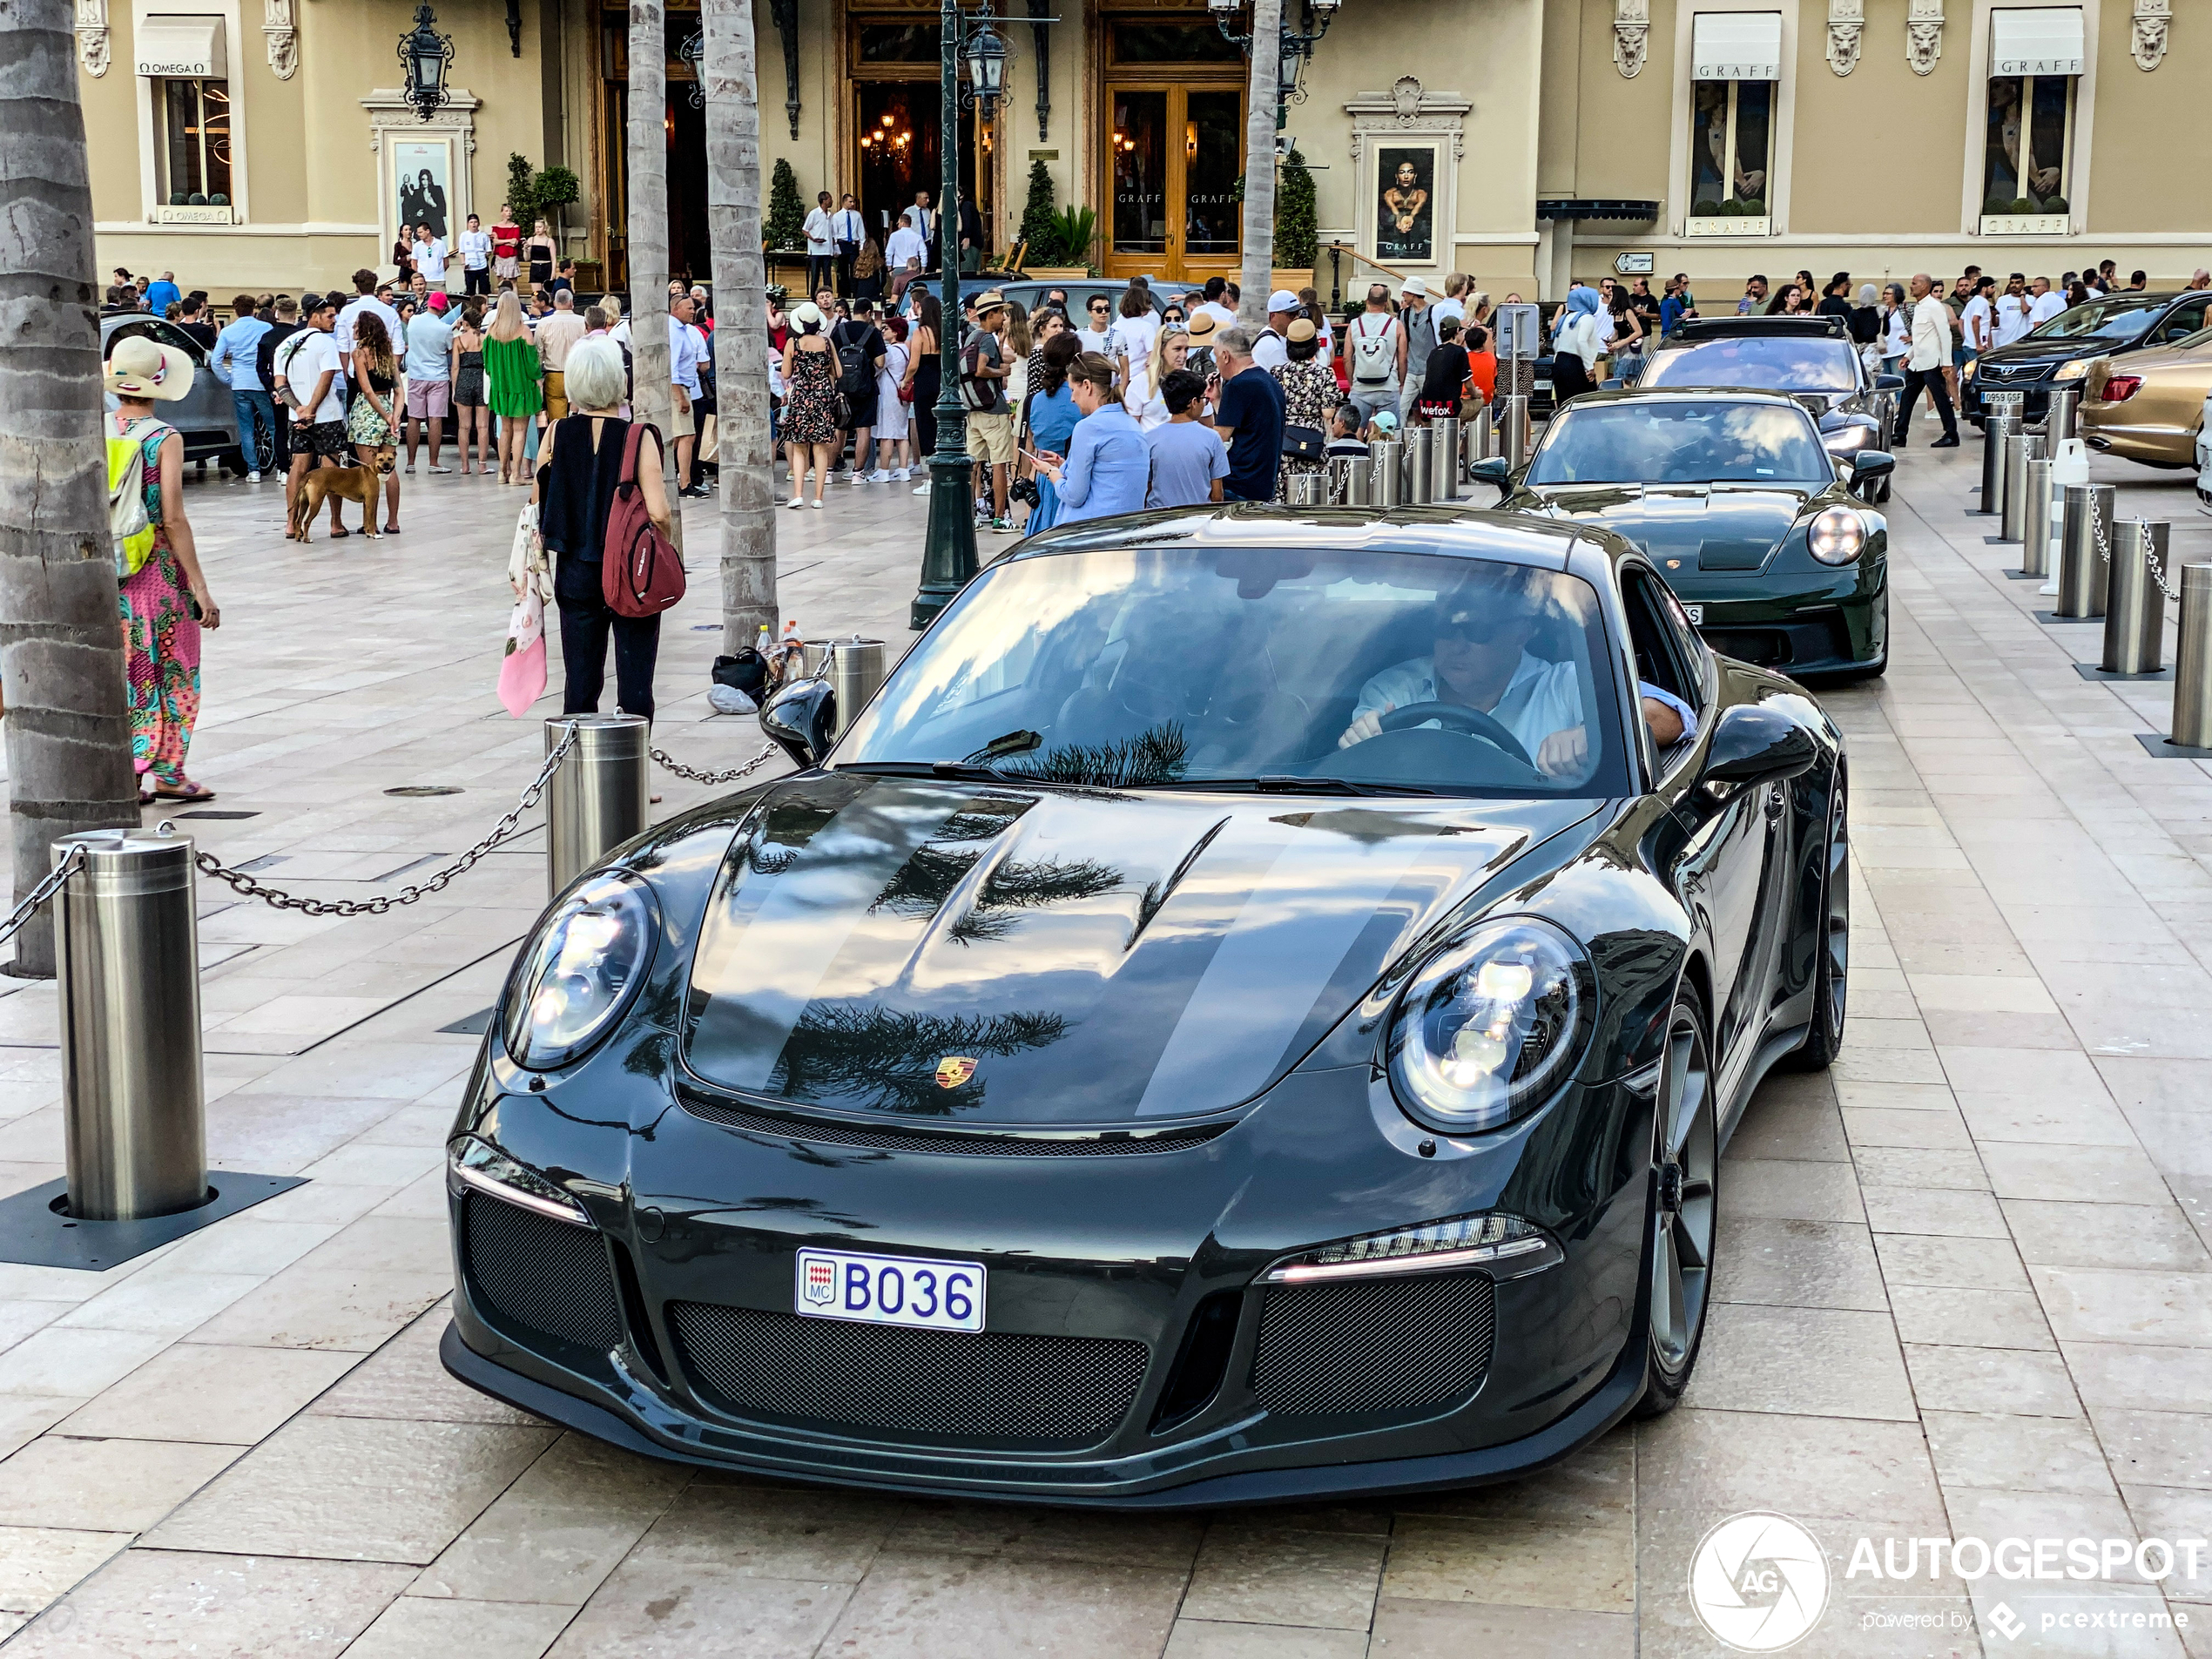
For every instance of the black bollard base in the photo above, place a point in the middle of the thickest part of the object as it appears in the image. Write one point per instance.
(38, 1230)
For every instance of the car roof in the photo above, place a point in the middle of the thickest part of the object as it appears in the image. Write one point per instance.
(1691, 330)
(1032, 288)
(1688, 393)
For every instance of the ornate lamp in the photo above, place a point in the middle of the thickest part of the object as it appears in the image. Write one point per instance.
(424, 53)
(985, 55)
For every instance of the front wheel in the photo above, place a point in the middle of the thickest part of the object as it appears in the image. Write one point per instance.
(1832, 968)
(1685, 1189)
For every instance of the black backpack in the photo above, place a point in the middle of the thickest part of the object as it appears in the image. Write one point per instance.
(854, 375)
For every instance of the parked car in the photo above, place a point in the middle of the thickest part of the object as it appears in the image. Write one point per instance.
(1100, 1077)
(1752, 521)
(1812, 359)
(2149, 407)
(2064, 348)
(203, 414)
(1029, 292)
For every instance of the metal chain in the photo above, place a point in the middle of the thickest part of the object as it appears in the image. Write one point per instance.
(729, 777)
(2157, 567)
(501, 832)
(46, 889)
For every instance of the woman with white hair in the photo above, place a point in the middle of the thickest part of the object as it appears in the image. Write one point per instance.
(576, 479)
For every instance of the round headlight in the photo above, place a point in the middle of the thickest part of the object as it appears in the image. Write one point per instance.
(1837, 535)
(580, 971)
(1490, 1026)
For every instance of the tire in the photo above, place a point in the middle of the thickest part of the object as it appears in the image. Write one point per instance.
(1685, 1190)
(1832, 968)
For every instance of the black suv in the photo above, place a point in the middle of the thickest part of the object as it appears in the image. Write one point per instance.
(2061, 350)
(1812, 359)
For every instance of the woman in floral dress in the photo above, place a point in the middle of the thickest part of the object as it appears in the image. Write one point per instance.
(1310, 396)
(809, 424)
(165, 602)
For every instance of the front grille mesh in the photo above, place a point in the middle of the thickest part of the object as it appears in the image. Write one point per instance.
(1374, 1345)
(989, 1385)
(976, 1143)
(541, 1274)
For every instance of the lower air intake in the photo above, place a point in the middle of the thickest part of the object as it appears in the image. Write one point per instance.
(1385, 1345)
(1066, 1391)
(542, 1275)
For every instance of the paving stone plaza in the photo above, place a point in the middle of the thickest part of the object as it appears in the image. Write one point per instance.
(1964, 1287)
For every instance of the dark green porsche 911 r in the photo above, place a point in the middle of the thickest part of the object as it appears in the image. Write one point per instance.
(1765, 537)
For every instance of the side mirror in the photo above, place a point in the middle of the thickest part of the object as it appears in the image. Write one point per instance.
(1889, 382)
(1753, 743)
(800, 718)
(1867, 464)
(1614, 385)
(1491, 470)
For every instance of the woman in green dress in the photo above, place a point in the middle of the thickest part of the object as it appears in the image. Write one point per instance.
(513, 379)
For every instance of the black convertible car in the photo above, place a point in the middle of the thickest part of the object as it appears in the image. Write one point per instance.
(1759, 529)
(1252, 1010)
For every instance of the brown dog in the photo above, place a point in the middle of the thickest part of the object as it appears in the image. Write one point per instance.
(356, 484)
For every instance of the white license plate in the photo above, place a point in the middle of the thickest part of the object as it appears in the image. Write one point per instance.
(1696, 614)
(890, 1290)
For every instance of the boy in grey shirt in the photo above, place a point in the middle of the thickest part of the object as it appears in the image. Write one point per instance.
(1189, 459)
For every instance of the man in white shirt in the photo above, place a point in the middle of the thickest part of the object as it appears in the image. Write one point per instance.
(2011, 310)
(429, 254)
(476, 257)
(822, 245)
(847, 229)
(556, 334)
(1924, 365)
(365, 299)
(1224, 315)
(1271, 350)
(925, 222)
(1374, 348)
(1097, 334)
(907, 243)
(2045, 302)
(1978, 321)
(1453, 306)
(312, 370)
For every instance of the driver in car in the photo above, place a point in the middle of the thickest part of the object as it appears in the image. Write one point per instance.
(1481, 660)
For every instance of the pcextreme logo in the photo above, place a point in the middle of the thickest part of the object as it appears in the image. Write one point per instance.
(1759, 1582)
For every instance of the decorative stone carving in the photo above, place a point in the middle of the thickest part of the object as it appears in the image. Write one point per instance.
(281, 25)
(1631, 34)
(2153, 19)
(1924, 36)
(93, 36)
(1408, 107)
(1847, 23)
(1406, 98)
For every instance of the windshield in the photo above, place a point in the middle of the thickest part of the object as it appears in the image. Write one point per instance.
(1769, 364)
(1183, 666)
(1667, 441)
(2106, 319)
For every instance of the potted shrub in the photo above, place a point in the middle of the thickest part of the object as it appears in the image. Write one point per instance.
(1037, 219)
(1707, 209)
(787, 227)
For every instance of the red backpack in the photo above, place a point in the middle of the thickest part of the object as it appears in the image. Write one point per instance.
(641, 573)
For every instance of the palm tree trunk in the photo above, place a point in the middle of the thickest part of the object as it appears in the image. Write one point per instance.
(1259, 164)
(747, 458)
(61, 642)
(650, 399)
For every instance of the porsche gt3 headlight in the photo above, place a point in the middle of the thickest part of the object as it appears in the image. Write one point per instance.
(1437, 1246)
(1837, 535)
(1490, 1026)
(580, 971)
(2074, 370)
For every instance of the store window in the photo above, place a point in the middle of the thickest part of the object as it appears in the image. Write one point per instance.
(2035, 61)
(1735, 75)
(196, 141)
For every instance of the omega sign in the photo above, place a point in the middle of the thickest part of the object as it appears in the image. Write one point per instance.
(183, 68)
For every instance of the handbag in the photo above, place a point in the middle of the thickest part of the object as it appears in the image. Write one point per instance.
(639, 571)
(521, 670)
(1305, 443)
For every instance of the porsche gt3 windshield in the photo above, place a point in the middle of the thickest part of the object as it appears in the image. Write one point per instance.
(1260, 668)
(1767, 363)
(1700, 441)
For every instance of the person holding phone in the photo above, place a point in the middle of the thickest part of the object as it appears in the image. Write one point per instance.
(1107, 467)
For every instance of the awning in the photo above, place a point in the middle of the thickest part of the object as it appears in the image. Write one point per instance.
(1735, 46)
(2035, 40)
(188, 48)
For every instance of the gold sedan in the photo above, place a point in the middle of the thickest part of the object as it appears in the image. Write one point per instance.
(2150, 406)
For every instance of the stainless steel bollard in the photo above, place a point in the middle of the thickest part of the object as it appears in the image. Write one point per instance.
(2192, 660)
(1447, 467)
(127, 944)
(2081, 570)
(1482, 433)
(1309, 490)
(2134, 611)
(2063, 417)
(1513, 442)
(2020, 449)
(597, 797)
(1420, 474)
(1358, 479)
(1994, 431)
(856, 674)
(2035, 524)
(1388, 456)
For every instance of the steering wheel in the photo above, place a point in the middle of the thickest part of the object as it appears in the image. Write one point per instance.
(1457, 717)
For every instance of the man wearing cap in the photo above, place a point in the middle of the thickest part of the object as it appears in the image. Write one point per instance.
(1283, 308)
(1416, 338)
(990, 429)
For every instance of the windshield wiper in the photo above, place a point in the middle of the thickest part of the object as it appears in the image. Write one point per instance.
(1292, 784)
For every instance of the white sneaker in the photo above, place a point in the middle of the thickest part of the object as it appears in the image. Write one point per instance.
(901, 476)
(796, 501)
(409, 468)
(818, 505)
(922, 488)
(881, 475)
(253, 477)
(856, 477)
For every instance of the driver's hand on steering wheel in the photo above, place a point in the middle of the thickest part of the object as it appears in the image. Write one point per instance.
(1367, 726)
(1564, 753)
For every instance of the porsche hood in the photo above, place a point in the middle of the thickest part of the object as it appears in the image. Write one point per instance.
(992, 954)
(1708, 527)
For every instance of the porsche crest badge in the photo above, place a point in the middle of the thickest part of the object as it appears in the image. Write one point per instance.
(953, 1070)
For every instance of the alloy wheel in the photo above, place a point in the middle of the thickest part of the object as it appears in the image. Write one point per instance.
(1684, 1212)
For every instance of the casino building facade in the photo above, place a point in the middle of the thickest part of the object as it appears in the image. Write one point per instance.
(1524, 142)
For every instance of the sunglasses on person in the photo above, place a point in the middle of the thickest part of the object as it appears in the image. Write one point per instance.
(1100, 304)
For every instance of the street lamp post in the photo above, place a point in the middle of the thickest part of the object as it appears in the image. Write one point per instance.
(1297, 44)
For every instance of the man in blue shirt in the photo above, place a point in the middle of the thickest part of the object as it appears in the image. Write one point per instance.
(1248, 416)
(685, 349)
(162, 292)
(233, 360)
(429, 366)
(1679, 301)
(1108, 465)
